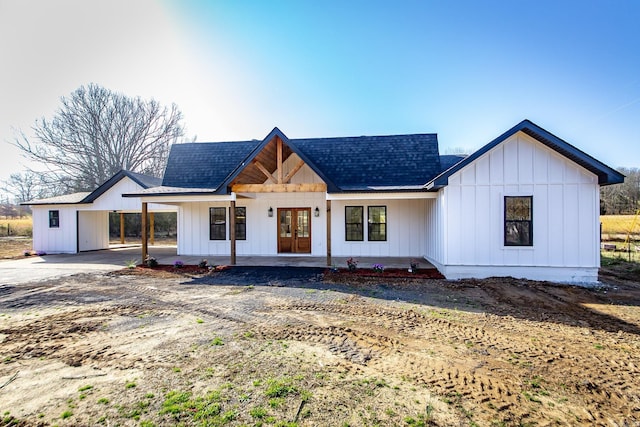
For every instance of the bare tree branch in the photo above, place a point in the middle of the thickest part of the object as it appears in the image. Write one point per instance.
(97, 132)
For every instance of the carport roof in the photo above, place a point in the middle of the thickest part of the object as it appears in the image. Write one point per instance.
(145, 181)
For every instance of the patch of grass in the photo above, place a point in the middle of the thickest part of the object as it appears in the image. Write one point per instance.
(217, 341)
(85, 388)
(206, 409)
(199, 321)
(281, 387)
(103, 401)
(258, 412)
(276, 402)
(66, 414)
(130, 384)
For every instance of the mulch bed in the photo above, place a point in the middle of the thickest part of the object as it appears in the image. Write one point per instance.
(388, 273)
(268, 274)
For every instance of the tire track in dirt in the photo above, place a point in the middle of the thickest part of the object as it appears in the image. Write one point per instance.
(493, 388)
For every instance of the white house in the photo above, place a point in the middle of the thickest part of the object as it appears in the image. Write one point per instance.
(525, 205)
(80, 221)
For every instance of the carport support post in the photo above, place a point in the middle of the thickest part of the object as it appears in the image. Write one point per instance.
(329, 233)
(145, 248)
(122, 228)
(232, 226)
(152, 226)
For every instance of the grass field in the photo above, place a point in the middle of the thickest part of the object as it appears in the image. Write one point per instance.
(619, 225)
(16, 227)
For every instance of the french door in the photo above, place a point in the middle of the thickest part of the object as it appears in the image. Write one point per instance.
(294, 230)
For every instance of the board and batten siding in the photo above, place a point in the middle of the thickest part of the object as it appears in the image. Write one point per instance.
(60, 240)
(406, 229)
(112, 200)
(93, 230)
(434, 241)
(262, 230)
(565, 215)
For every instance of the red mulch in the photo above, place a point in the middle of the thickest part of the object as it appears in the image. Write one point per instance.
(389, 273)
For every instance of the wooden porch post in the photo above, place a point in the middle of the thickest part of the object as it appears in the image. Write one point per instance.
(152, 218)
(232, 231)
(122, 228)
(145, 249)
(329, 233)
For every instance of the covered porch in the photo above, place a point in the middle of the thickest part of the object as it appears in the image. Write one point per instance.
(168, 255)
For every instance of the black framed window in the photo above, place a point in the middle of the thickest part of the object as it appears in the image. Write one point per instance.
(54, 219)
(241, 223)
(518, 220)
(353, 221)
(217, 224)
(377, 218)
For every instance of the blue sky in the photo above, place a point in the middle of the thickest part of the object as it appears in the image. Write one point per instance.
(466, 70)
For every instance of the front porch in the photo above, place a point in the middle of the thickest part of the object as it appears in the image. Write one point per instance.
(168, 255)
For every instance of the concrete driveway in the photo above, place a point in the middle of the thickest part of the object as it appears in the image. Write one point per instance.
(36, 268)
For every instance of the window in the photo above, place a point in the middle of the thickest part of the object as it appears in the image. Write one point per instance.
(217, 224)
(353, 223)
(377, 216)
(241, 223)
(518, 221)
(54, 219)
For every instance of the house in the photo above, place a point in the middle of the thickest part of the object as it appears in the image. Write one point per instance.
(524, 205)
(80, 221)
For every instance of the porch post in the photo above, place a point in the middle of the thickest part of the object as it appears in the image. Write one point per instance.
(145, 249)
(122, 228)
(232, 231)
(152, 218)
(329, 233)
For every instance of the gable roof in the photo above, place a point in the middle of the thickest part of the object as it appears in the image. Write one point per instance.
(144, 181)
(66, 199)
(365, 163)
(204, 165)
(368, 163)
(292, 144)
(606, 175)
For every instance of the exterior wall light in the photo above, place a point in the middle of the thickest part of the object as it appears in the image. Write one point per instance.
(316, 212)
(270, 212)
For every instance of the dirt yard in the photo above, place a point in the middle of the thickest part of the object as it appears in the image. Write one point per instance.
(132, 348)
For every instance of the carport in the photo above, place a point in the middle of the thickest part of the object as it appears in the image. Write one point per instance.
(79, 222)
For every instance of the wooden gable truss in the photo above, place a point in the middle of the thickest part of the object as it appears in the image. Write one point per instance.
(265, 174)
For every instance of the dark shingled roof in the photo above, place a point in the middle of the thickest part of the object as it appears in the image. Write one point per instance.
(448, 160)
(204, 165)
(346, 164)
(358, 163)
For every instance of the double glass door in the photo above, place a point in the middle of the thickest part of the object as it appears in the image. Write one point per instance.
(294, 230)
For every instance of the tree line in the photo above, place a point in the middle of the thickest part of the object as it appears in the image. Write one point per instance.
(622, 199)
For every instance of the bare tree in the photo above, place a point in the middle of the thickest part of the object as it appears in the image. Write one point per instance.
(622, 199)
(26, 186)
(97, 132)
